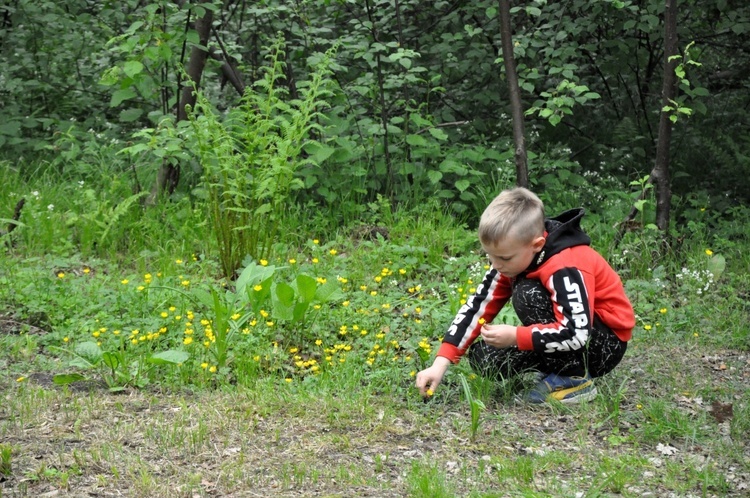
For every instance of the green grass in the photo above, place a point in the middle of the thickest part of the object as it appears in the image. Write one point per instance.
(270, 422)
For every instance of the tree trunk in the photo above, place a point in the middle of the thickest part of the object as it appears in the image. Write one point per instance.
(169, 174)
(660, 173)
(519, 138)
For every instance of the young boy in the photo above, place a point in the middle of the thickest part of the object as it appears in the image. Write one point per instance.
(575, 314)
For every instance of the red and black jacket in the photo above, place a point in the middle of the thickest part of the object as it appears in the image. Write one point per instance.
(581, 284)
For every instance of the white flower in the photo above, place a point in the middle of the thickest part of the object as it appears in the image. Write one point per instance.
(51, 207)
(35, 193)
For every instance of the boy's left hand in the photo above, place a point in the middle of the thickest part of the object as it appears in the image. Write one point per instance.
(499, 336)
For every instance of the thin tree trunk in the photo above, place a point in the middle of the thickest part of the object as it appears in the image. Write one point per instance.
(519, 136)
(169, 174)
(669, 89)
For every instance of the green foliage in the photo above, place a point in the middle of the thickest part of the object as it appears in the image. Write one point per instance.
(118, 368)
(249, 162)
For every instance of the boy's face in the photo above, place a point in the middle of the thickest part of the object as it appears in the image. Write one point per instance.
(511, 257)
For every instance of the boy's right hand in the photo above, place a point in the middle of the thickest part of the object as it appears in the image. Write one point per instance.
(429, 378)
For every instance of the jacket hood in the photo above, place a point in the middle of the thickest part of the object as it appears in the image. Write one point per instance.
(563, 231)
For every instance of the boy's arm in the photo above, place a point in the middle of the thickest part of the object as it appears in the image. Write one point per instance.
(482, 307)
(572, 303)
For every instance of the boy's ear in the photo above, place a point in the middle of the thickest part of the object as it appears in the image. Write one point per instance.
(538, 243)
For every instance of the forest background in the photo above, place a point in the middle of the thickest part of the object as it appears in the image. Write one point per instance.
(300, 231)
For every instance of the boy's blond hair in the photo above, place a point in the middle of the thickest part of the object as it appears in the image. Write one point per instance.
(516, 213)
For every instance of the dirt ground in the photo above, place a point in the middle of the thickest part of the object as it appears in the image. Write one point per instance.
(87, 442)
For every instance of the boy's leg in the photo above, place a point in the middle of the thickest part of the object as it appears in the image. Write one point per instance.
(533, 304)
(603, 351)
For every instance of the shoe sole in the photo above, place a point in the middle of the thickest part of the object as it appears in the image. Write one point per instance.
(577, 398)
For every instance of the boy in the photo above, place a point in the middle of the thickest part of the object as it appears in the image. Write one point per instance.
(575, 314)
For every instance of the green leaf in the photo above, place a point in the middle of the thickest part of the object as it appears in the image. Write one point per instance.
(171, 357)
(405, 61)
(89, 351)
(121, 95)
(416, 140)
(434, 176)
(285, 293)
(306, 287)
(130, 115)
(112, 360)
(329, 291)
(10, 128)
(65, 379)
(462, 185)
(534, 11)
(132, 68)
(490, 12)
(438, 133)
(716, 265)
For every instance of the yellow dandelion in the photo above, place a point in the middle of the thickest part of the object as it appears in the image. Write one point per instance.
(663, 310)
(87, 270)
(333, 252)
(185, 283)
(430, 392)
(315, 261)
(402, 271)
(188, 340)
(373, 293)
(647, 327)
(20, 379)
(124, 281)
(292, 261)
(318, 342)
(288, 380)
(61, 275)
(96, 333)
(66, 339)
(709, 252)
(345, 303)
(212, 369)
(316, 241)
(263, 262)
(178, 261)
(236, 316)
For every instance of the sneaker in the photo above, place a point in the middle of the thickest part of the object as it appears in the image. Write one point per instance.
(563, 389)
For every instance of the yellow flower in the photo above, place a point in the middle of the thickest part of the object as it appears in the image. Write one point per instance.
(20, 379)
(647, 327)
(172, 309)
(315, 261)
(430, 392)
(345, 303)
(412, 373)
(288, 380)
(263, 262)
(140, 288)
(147, 277)
(293, 350)
(402, 271)
(292, 261)
(333, 252)
(373, 293)
(164, 314)
(709, 252)
(378, 278)
(204, 365)
(258, 288)
(318, 342)
(185, 283)
(66, 339)
(236, 316)
(212, 369)
(663, 310)
(269, 324)
(321, 280)
(363, 287)
(482, 321)
(178, 261)
(96, 333)
(188, 340)
(316, 241)
(124, 281)
(61, 275)
(87, 270)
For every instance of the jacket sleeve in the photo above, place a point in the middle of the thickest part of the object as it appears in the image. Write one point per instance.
(482, 307)
(572, 303)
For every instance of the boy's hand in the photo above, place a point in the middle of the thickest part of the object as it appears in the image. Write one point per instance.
(429, 378)
(499, 336)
